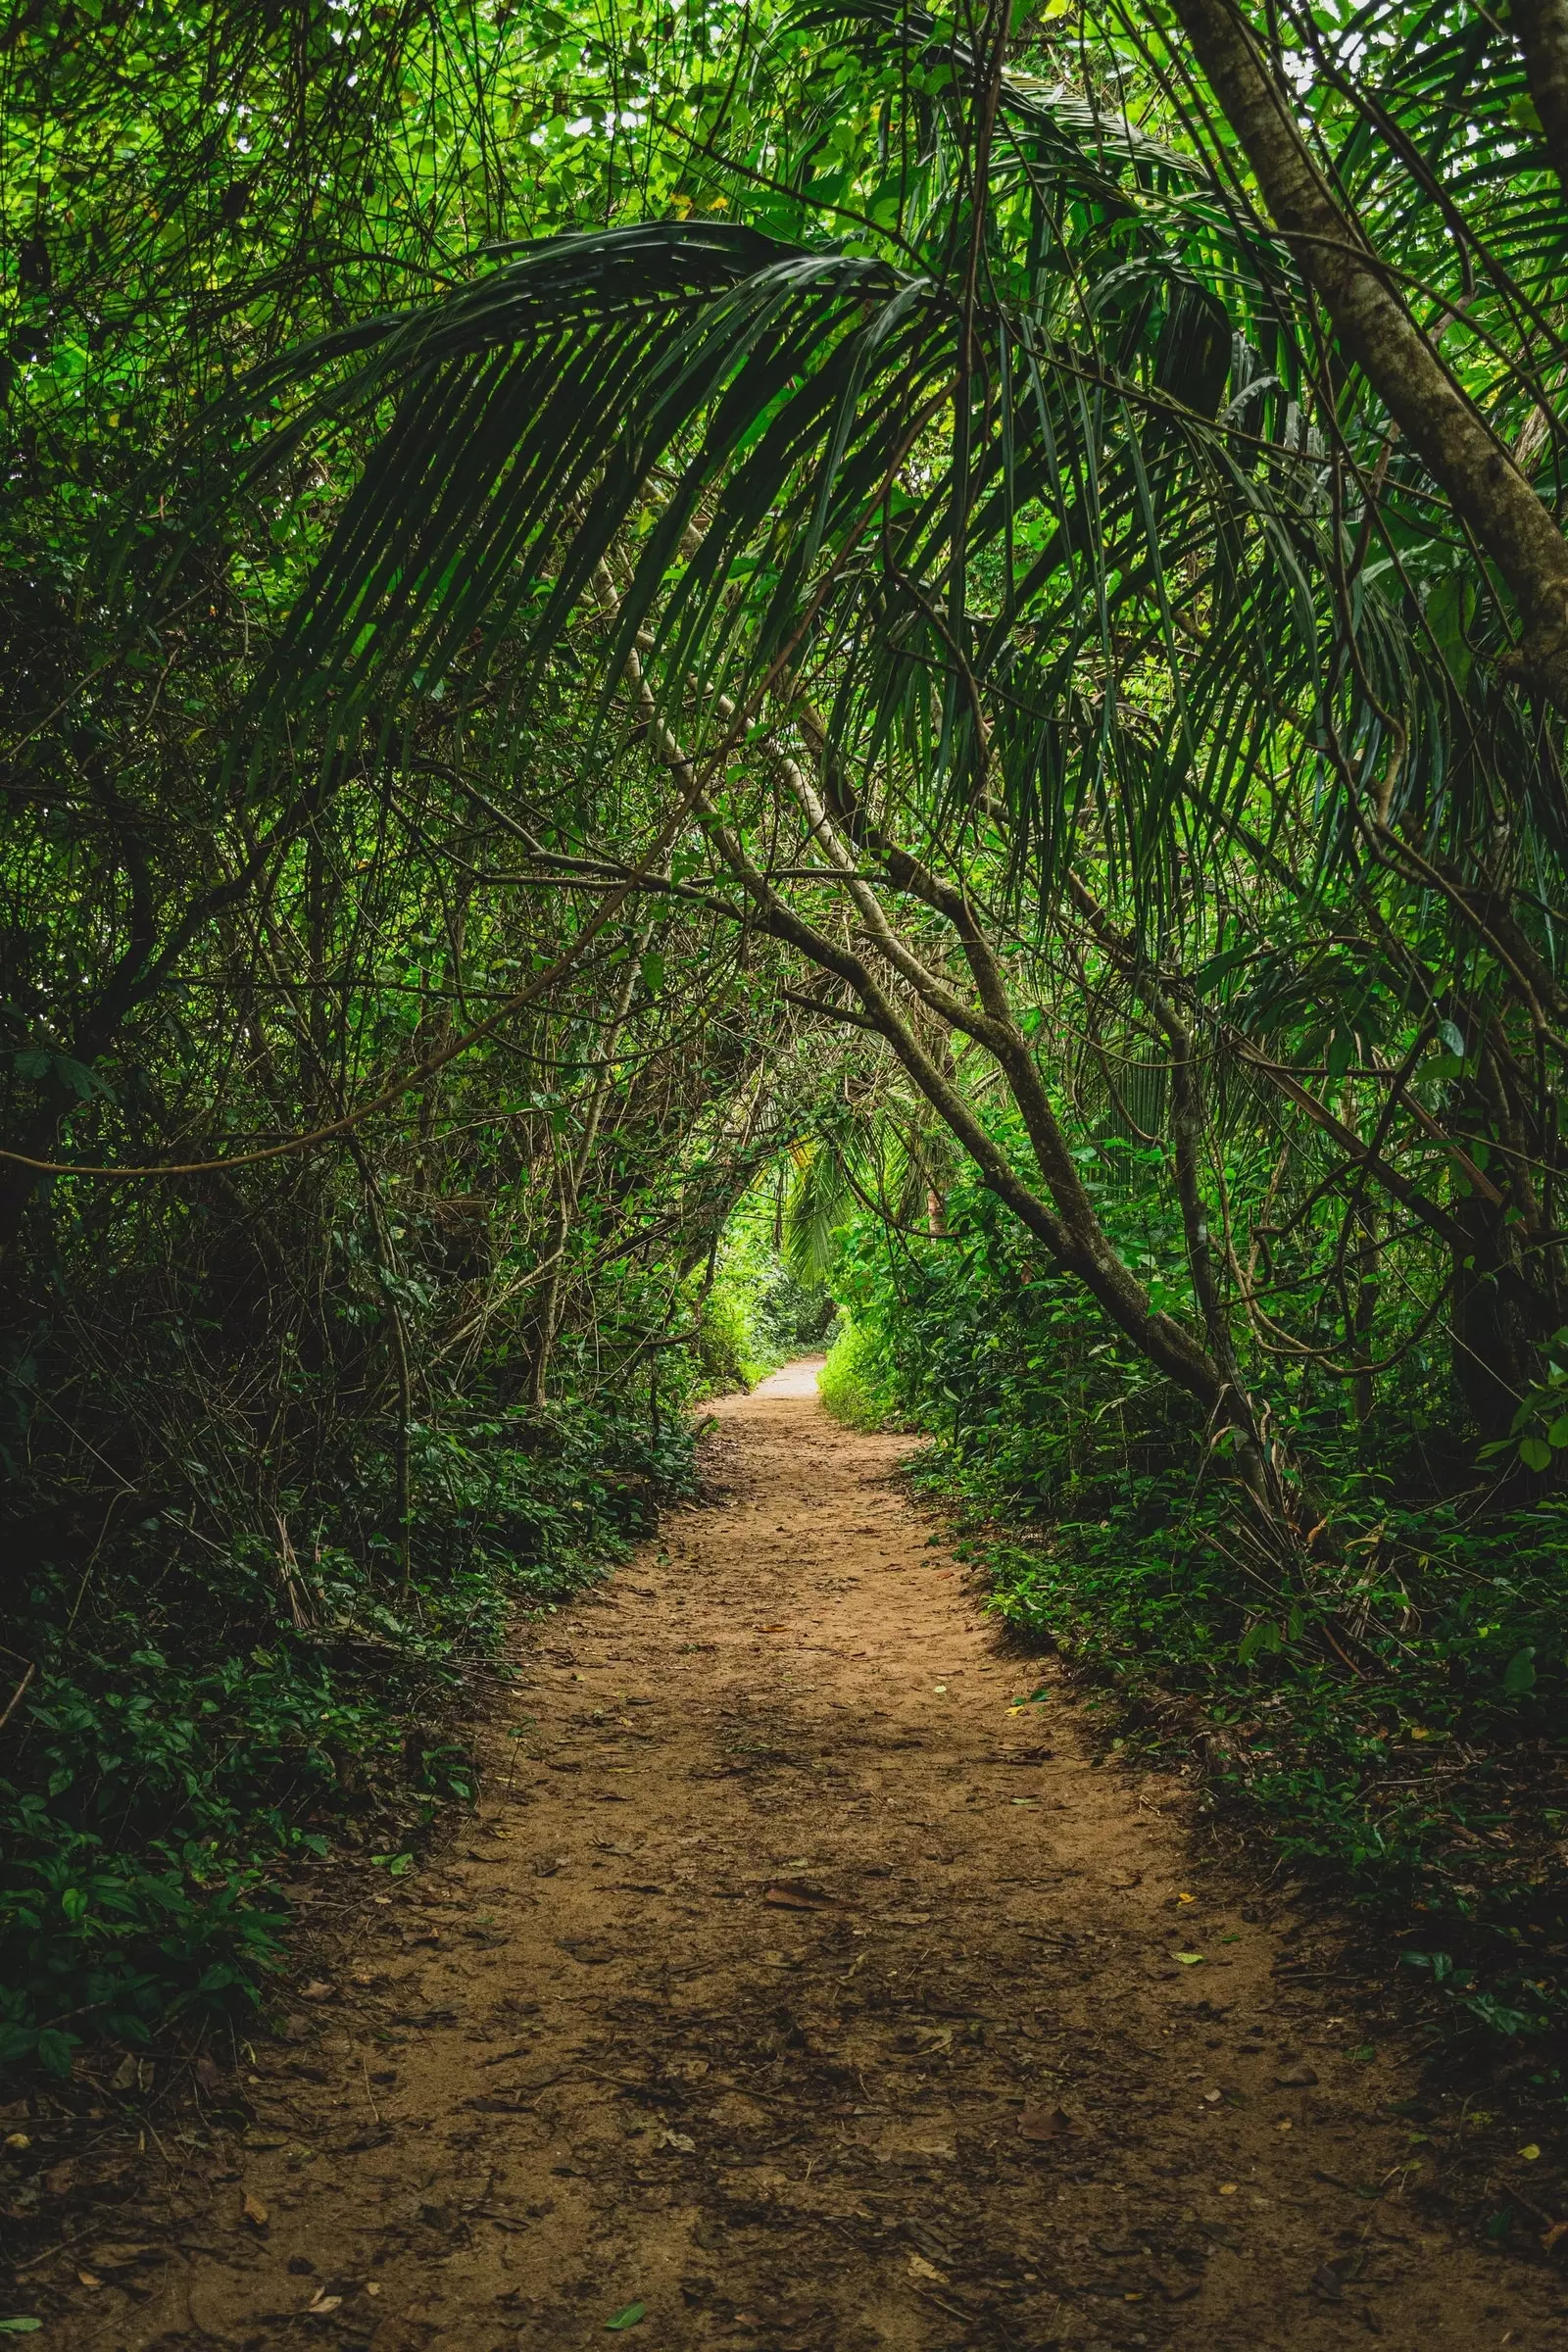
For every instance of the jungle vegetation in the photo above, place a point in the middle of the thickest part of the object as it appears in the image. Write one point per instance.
(668, 663)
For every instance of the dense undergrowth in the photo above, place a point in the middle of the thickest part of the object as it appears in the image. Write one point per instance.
(182, 1741)
(198, 1717)
(1396, 1717)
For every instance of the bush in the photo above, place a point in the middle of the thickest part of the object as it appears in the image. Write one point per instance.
(1396, 1718)
(179, 1746)
(858, 1383)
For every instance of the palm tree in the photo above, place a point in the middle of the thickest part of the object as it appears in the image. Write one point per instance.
(1004, 558)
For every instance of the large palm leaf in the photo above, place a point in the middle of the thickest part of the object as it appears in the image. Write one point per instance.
(1048, 539)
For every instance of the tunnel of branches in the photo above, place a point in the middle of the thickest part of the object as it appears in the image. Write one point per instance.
(682, 685)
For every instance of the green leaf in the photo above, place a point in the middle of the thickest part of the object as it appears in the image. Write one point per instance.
(1519, 1676)
(56, 2052)
(1341, 1053)
(19, 2327)
(1535, 1454)
(652, 968)
(627, 2317)
(1190, 1959)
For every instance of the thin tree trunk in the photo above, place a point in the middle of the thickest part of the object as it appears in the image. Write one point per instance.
(1541, 29)
(548, 1316)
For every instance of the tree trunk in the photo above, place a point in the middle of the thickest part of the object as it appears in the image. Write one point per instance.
(1376, 331)
(1540, 28)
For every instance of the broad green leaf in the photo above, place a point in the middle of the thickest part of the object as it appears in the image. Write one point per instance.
(1519, 1676)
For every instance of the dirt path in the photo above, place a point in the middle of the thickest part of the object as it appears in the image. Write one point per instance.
(615, 2050)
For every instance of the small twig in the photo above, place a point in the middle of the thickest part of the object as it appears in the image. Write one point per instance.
(33, 2260)
(15, 1695)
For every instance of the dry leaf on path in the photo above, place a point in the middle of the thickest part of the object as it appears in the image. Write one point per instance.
(316, 1990)
(1047, 2122)
(256, 2212)
(797, 1895)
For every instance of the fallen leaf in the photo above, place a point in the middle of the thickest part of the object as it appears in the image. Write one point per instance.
(682, 2140)
(797, 1895)
(1552, 2238)
(316, 1990)
(1529, 2153)
(19, 2327)
(60, 2178)
(1047, 2122)
(1285, 2124)
(322, 2304)
(1295, 2078)
(256, 2212)
(118, 2257)
(124, 2077)
(922, 2268)
(1212, 2098)
(1124, 1878)
(1190, 1959)
(1227, 2189)
(18, 2139)
(88, 2279)
(627, 2317)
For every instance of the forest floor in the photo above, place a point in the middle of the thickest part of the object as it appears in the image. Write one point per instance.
(792, 1987)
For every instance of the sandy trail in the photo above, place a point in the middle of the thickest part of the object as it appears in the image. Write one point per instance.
(790, 1985)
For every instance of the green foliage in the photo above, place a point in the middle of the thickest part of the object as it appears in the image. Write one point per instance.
(168, 1759)
(758, 1311)
(601, 603)
(1396, 1718)
(858, 1383)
